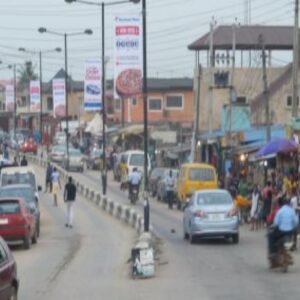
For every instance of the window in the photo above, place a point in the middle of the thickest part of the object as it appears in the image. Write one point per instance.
(49, 103)
(155, 104)
(241, 100)
(174, 102)
(133, 101)
(289, 101)
(214, 199)
(202, 174)
(117, 104)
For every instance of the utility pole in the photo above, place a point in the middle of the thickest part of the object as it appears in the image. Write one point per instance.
(231, 88)
(295, 61)
(197, 119)
(266, 89)
(211, 78)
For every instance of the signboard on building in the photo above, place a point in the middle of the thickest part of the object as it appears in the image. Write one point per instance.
(9, 97)
(59, 98)
(92, 85)
(128, 58)
(35, 96)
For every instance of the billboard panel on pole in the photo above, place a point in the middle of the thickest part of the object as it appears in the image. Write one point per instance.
(9, 97)
(59, 98)
(92, 85)
(128, 59)
(35, 96)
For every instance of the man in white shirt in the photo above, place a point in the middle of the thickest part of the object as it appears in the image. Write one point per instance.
(170, 186)
(134, 180)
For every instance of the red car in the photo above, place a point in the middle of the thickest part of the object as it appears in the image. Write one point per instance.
(17, 221)
(9, 283)
(29, 146)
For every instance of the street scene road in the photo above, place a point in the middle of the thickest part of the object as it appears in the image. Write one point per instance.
(149, 150)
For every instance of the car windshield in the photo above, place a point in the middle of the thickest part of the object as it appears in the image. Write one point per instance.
(136, 160)
(9, 207)
(214, 199)
(24, 192)
(75, 153)
(19, 178)
(202, 174)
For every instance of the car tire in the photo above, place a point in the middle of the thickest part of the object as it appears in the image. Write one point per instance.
(235, 238)
(13, 293)
(35, 237)
(27, 242)
(192, 239)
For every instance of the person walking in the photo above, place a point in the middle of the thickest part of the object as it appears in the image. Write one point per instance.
(15, 162)
(49, 178)
(24, 161)
(254, 209)
(69, 199)
(56, 186)
(170, 185)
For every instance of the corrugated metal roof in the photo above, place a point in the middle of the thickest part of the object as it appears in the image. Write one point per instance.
(247, 38)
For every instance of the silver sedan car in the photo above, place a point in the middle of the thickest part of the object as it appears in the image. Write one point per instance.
(211, 213)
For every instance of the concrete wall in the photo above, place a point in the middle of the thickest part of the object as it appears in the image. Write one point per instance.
(248, 83)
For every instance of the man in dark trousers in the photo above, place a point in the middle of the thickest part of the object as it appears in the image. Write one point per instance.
(24, 161)
(69, 198)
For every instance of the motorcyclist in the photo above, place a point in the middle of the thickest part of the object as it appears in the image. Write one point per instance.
(285, 222)
(134, 180)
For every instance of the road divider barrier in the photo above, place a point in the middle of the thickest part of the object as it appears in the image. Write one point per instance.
(142, 255)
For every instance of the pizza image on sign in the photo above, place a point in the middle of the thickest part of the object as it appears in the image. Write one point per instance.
(129, 83)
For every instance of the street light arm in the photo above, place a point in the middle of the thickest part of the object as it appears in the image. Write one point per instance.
(44, 30)
(100, 3)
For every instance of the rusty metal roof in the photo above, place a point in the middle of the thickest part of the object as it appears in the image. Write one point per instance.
(247, 38)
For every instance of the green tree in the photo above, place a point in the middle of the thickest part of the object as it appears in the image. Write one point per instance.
(26, 73)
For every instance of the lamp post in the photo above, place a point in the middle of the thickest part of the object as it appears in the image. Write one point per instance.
(40, 53)
(65, 36)
(145, 91)
(103, 5)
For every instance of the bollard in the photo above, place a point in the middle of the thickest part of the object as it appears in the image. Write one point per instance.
(98, 199)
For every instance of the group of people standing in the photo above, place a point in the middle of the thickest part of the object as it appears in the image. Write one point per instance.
(53, 185)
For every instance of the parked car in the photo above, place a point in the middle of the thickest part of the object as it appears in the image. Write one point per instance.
(29, 146)
(9, 284)
(154, 177)
(133, 159)
(76, 160)
(17, 221)
(57, 153)
(20, 175)
(26, 192)
(193, 177)
(211, 213)
(94, 160)
(162, 187)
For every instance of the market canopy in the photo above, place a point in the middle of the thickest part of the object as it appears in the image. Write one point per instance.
(277, 146)
(95, 127)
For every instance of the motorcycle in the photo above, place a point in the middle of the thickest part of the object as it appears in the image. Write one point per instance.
(283, 259)
(134, 195)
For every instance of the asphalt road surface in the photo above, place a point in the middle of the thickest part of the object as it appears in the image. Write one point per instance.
(86, 262)
(210, 269)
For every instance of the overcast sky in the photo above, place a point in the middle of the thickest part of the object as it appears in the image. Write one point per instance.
(172, 25)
